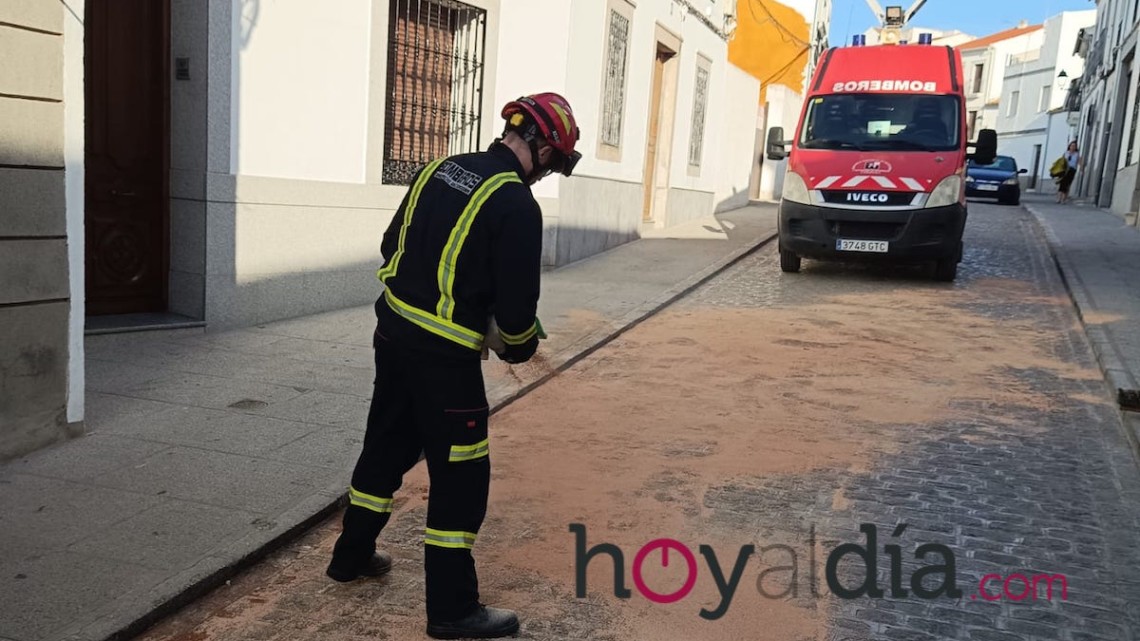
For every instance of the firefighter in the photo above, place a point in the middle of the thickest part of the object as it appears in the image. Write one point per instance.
(463, 249)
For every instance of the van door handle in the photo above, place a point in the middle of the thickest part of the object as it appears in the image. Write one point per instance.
(128, 194)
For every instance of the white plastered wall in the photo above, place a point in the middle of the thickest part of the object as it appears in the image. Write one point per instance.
(73, 152)
(300, 89)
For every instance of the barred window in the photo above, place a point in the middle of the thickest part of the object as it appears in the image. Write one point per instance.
(435, 83)
(613, 104)
(700, 105)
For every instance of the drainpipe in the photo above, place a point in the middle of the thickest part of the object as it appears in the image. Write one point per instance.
(813, 39)
(1045, 160)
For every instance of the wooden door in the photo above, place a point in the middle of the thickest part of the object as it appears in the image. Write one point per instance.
(127, 166)
(654, 131)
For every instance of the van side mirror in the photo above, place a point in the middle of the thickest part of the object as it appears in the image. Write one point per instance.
(1023, 170)
(776, 149)
(985, 150)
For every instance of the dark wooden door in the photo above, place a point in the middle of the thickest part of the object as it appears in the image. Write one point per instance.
(127, 198)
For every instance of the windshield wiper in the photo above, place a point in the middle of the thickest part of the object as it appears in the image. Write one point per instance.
(830, 143)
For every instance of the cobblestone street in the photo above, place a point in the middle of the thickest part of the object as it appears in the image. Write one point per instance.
(785, 411)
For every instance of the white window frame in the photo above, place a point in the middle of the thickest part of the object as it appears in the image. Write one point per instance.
(1045, 98)
(1011, 109)
(614, 95)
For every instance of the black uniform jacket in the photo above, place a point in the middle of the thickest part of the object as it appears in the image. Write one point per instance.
(465, 244)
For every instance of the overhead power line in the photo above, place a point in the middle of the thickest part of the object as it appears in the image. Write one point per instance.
(775, 22)
(784, 69)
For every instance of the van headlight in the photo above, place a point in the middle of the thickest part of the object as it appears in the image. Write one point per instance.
(795, 189)
(946, 193)
(1011, 181)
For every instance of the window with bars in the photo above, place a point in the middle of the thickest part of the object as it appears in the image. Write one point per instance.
(613, 97)
(700, 105)
(436, 58)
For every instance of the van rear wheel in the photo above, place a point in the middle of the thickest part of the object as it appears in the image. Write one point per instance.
(789, 262)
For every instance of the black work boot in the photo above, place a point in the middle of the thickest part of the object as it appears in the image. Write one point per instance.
(483, 623)
(379, 564)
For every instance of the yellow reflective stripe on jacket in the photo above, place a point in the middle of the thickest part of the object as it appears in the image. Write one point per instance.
(450, 255)
(519, 339)
(368, 501)
(413, 199)
(435, 324)
(454, 539)
(461, 453)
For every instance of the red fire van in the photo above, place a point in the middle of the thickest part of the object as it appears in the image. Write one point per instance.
(877, 166)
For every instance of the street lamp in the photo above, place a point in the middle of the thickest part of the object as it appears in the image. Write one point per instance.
(1063, 80)
(894, 16)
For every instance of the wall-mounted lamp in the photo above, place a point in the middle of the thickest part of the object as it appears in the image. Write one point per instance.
(1063, 80)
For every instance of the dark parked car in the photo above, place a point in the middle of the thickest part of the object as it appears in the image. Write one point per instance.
(999, 179)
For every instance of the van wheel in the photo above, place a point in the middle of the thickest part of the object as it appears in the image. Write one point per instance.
(946, 270)
(789, 262)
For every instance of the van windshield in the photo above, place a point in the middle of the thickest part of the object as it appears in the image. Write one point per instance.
(903, 122)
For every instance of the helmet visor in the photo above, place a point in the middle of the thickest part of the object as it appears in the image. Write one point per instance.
(565, 164)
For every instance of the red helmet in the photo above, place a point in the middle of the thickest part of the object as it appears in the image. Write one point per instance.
(554, 118)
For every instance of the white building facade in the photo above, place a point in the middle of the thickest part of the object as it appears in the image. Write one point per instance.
(983, 63)
(1032, 123)
(1108, 93)
(234, 162)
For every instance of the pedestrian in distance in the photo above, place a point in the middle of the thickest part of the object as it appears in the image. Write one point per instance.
(463, 257)
(1073, 162)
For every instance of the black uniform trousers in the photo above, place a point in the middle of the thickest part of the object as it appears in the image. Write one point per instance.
(437, 406)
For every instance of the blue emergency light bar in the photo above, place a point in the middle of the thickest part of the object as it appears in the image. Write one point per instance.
(858, 40)
(925, 38)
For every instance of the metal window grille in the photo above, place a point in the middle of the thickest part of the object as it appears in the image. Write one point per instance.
(700, 104)
(436, 51)
(614, 96)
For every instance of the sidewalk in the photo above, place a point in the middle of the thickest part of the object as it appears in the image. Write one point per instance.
(1099, 258)
(204, 451)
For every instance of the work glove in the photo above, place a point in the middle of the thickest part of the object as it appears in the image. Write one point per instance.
(515, 354)
(512, 354)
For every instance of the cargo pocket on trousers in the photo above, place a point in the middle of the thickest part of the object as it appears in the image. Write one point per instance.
(467, 435)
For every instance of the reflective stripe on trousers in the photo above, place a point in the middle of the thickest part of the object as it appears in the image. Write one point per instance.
(455, 539)
(369, 502)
